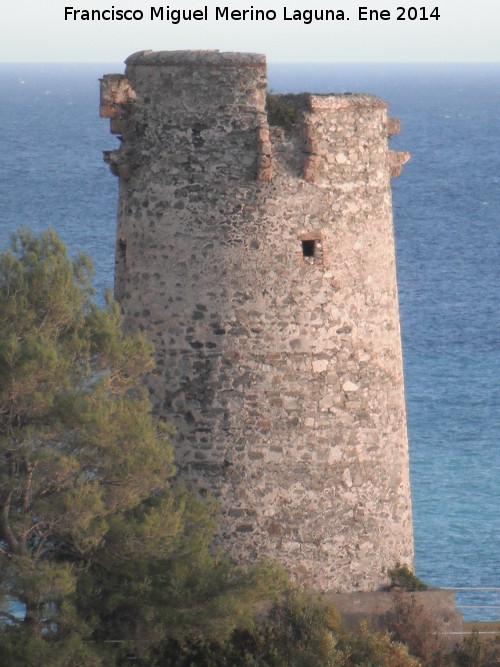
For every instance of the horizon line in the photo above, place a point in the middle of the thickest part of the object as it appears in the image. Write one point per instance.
(272, 62)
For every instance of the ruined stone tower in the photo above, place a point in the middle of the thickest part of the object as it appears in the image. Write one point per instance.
(260, 261)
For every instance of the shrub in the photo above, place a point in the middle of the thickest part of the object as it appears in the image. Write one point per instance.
(280, 112)
(402, 577)
(474, 652)
(374, 650)
(410, 624)
(301, 630)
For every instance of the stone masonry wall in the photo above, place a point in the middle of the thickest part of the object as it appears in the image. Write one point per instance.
(260, 261)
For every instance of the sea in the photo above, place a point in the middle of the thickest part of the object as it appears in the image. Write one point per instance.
(447, 227)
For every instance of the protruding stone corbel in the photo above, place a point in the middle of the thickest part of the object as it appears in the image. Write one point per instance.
(116, 92)
(117, 163)
(393, 126)
(396, 161)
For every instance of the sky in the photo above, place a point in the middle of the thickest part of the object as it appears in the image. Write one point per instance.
(466, 31)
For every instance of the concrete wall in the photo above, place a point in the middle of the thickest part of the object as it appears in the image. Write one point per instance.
(260, 261)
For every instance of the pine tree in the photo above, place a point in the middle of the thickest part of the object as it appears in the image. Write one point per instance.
(78, 444)
(100, 557)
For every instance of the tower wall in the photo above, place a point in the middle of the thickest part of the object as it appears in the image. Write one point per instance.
(260, 261)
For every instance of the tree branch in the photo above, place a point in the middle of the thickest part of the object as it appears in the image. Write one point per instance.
(5, 529)
(26, 492)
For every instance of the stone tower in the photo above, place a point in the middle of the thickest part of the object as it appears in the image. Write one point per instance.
(258, 256)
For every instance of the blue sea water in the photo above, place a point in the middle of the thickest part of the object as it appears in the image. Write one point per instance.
(447, 224)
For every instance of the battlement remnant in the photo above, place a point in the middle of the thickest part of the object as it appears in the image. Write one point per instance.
(259, 258)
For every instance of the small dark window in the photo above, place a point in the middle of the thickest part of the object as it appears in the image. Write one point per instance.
(312, 249)
(309, 247)
(120, 269)
(122, 251)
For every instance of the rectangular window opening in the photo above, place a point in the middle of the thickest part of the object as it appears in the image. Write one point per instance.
(122, 250)
(120, 269)
(309, 247)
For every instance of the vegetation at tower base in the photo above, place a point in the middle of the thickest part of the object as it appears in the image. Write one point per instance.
(95, 543)
(403, 578)
(301, 630)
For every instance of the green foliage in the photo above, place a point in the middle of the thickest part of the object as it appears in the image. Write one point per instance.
(18, 648)
(300, 630)
(280, 112)
(95, 543)
(403, 578)
(470, 653)
(476, 652)
(296, 630)
(78, 444)
(410, 623)
(365, 649)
